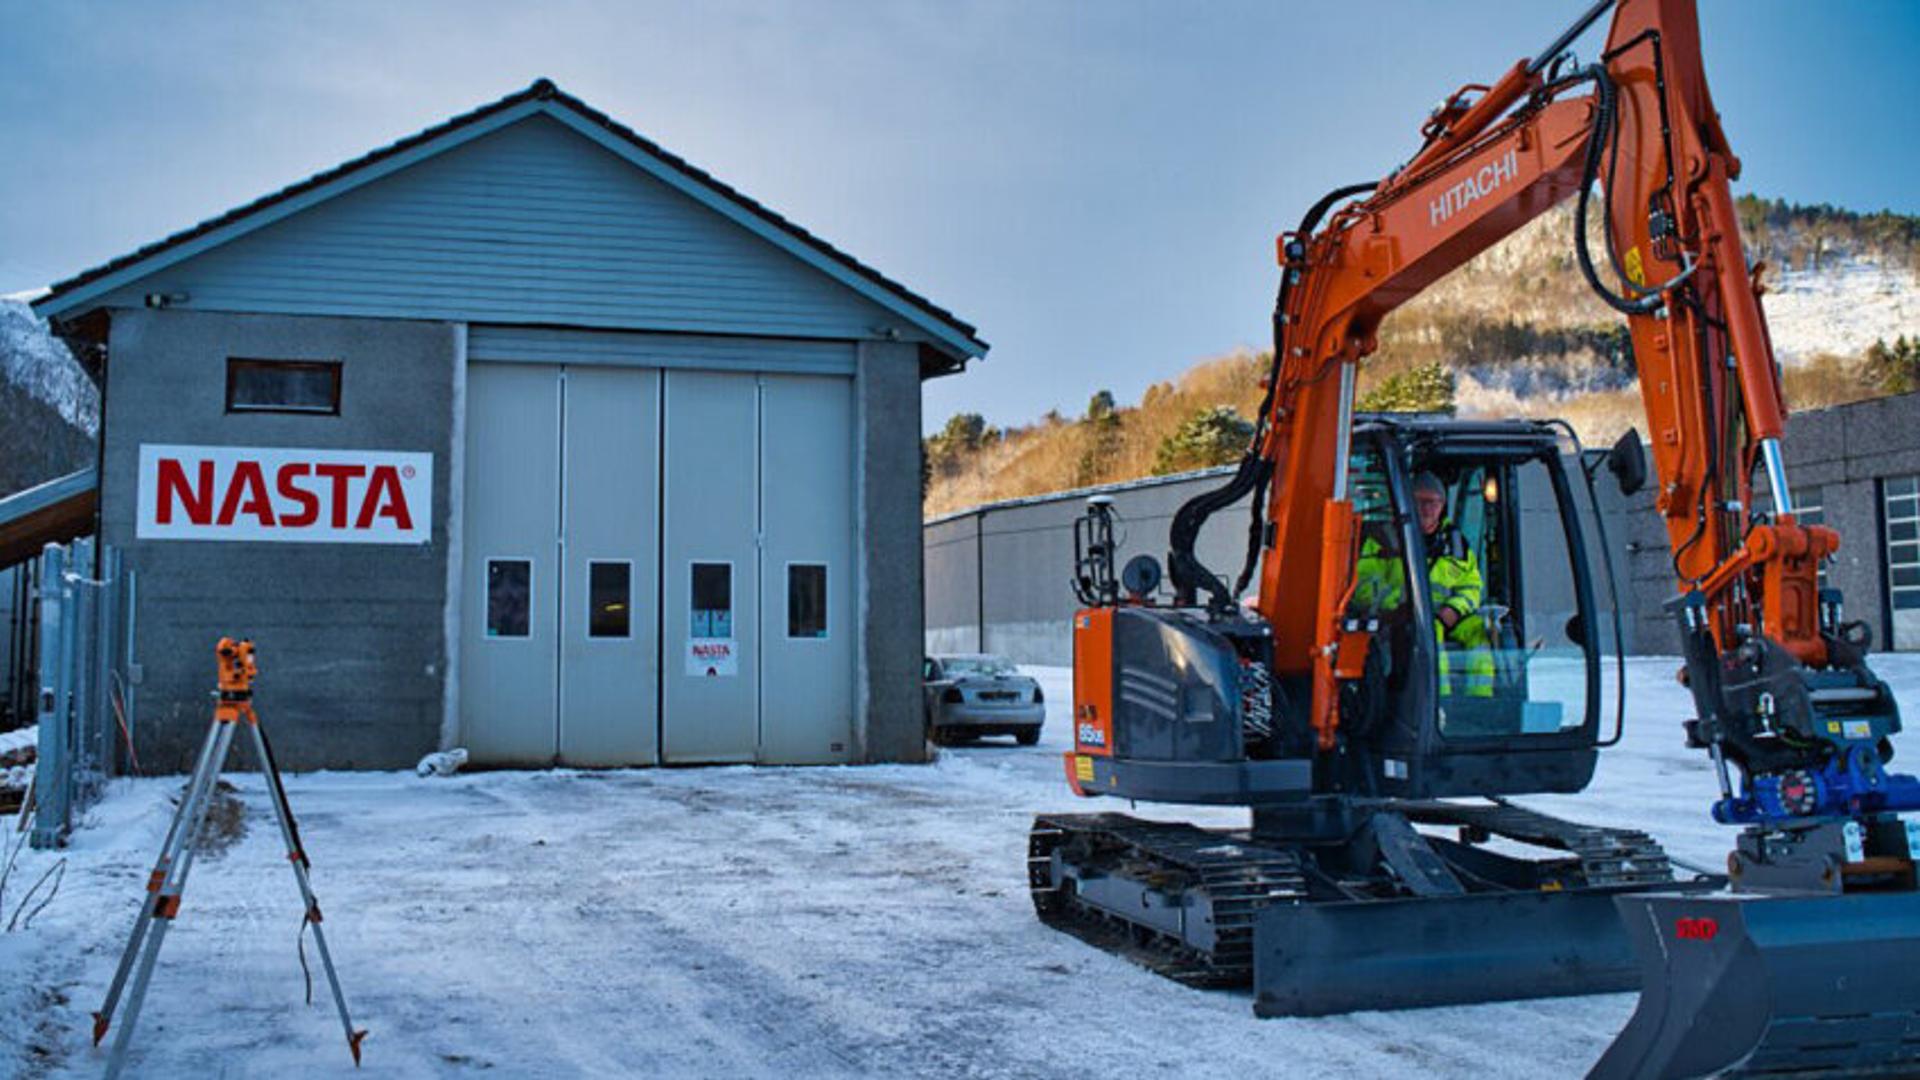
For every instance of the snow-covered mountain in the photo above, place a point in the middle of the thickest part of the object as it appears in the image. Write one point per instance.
(1517, 331)
(1841, 309)
(32, 359)
(49, 408)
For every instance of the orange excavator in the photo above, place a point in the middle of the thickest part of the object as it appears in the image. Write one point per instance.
(1426, 641)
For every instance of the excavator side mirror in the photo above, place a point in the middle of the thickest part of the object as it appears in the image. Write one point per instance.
(1627, 461)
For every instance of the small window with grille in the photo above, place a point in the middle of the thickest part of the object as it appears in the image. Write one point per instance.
(283, 386)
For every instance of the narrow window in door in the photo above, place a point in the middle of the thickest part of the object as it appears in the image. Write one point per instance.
(509, 597)
(609, 599)
(806, 600)
(712, 600)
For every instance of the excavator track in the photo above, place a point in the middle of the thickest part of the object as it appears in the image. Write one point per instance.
(1198, 905)
(1218, 878)
(1607, 856)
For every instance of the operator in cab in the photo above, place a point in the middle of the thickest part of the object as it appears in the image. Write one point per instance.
(1455, 590)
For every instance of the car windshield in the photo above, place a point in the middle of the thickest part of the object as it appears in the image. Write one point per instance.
(978, 665)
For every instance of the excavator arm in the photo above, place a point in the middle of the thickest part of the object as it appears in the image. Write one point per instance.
(1636, 132)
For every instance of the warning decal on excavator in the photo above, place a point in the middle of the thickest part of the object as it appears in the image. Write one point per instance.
(1636, 270)
(1083, 768)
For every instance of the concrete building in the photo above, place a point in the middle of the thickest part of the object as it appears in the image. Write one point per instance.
(998, 575)
(521, 434)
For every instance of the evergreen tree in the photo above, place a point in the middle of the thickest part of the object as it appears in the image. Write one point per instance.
(1428, 388)
(1211, 436)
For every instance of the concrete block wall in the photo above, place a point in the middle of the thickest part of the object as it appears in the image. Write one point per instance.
(351, 637)
(887, 410)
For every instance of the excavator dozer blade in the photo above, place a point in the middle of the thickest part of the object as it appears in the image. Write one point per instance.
(1324, 958)
(1772, 986)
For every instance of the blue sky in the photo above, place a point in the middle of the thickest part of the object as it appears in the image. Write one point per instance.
(1095, 185)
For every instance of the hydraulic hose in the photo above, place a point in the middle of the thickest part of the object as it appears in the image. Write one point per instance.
(1185, 571)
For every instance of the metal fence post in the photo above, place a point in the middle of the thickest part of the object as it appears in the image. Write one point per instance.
(129, 607)
(81, 597)
(53, 771)
(107, 657)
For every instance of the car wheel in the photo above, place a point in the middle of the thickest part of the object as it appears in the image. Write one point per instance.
(1027, 738)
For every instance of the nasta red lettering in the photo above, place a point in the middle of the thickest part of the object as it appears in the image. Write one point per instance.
(294, 501)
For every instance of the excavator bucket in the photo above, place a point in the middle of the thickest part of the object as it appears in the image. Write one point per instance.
(1814, 985)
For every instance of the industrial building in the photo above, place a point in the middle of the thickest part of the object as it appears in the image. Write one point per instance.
(525, 435)
(998, 575)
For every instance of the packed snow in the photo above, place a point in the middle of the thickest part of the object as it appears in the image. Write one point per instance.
(33, 359)
(776, 922)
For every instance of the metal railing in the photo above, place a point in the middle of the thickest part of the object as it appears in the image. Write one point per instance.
(86, 708)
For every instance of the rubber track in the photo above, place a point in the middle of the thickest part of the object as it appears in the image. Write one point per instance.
(1238, 878)
(1607, 856)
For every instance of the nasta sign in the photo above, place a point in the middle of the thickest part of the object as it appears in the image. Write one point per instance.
(285, 494)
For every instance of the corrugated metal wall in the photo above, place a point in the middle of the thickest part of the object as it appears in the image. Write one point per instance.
(1839, 460)
(1023, 553)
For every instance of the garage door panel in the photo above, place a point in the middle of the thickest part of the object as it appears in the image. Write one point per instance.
(509, 587)
(710, 660)
(809, 624)
(609, 644)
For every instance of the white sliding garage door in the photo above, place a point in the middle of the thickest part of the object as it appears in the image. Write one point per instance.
(560, 638)
(658, 566)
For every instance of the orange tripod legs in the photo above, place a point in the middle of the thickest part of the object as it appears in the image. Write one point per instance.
(233, 711)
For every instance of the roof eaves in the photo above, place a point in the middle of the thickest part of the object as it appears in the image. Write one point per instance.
(1071, 494)
(40, 496)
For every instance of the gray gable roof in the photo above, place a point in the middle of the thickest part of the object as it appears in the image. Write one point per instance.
(952, 336)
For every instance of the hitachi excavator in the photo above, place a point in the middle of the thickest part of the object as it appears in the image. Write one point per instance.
(1377, 718)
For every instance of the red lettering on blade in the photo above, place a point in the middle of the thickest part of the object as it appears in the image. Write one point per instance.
(197, 500)
(1701, 929)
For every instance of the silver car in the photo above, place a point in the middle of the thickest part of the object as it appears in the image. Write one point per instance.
(971, 696)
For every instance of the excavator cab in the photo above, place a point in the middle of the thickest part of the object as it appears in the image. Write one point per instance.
(1486, 680)
(1481, 677)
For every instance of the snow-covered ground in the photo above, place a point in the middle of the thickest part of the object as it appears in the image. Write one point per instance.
(727, 922)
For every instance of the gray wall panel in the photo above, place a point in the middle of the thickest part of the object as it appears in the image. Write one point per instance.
(887, 423)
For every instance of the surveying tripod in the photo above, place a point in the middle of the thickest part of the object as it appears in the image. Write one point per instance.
(233, 709)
